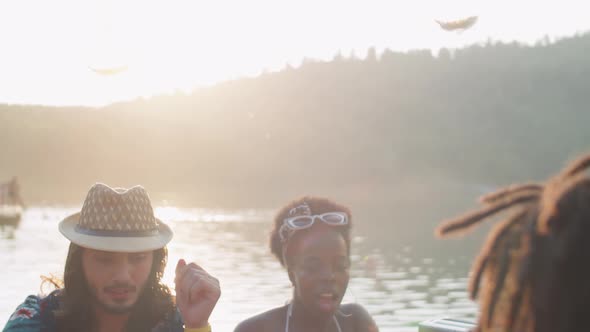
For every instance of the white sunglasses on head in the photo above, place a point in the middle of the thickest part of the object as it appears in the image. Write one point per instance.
(296, 223)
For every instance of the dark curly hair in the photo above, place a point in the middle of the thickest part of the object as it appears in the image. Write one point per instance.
(75, 312)
(532, 273)
(317, 205)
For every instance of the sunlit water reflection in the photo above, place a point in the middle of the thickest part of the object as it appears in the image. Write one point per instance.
(398, 289)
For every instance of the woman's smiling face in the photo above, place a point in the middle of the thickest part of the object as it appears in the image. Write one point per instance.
(319, 269)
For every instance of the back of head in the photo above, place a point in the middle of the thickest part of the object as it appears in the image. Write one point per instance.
(561, 282)
(530, 274)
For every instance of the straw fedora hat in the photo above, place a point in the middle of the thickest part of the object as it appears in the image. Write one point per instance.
(116, 219)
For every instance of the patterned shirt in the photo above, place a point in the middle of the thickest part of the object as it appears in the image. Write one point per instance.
(35, 314)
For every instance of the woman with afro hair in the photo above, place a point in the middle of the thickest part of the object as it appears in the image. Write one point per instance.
(311, 239)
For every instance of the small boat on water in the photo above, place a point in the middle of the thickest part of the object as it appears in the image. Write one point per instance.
(11, 204)
(10, 215)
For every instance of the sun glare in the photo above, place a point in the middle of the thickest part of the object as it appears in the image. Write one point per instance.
(94, 52)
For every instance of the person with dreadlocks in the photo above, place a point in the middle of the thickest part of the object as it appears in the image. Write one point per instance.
(112, 275)
(532, 273)
(311, 239)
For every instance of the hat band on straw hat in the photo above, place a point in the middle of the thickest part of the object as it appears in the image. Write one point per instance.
(112, 233)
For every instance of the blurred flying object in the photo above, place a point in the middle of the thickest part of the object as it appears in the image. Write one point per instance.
(109, 71)
(458, 25)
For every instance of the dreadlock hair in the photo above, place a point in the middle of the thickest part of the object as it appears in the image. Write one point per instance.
(75, 312)
(317, 205)
(531, 273)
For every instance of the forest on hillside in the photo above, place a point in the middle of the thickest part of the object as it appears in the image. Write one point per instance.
(398, 136)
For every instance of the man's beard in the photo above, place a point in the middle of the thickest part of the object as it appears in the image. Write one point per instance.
(115, 308)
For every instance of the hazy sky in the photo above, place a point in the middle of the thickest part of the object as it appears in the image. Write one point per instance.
(49, 47)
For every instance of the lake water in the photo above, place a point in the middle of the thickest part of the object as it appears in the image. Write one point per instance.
(409, 284)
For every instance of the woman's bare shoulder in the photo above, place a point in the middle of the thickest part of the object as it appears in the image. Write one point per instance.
(361, 319)
(266, 321)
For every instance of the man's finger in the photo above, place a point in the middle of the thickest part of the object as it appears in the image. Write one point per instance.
(183, 268)
(179, 266)
(189, 271)
(189, 277)
(202, 286)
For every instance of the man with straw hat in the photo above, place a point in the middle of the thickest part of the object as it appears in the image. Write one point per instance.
(113, 271)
